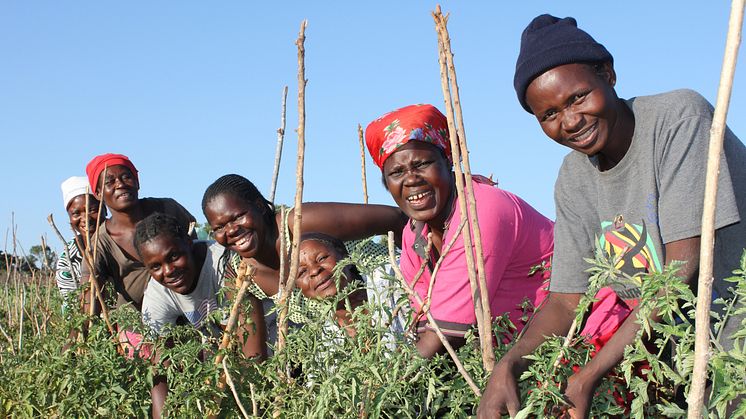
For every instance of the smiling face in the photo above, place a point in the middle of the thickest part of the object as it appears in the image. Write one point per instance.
(237, 225)
(576, 106)
(170, 262)
(317, 262)
(77, 213)
(118, 187)
(419, 179)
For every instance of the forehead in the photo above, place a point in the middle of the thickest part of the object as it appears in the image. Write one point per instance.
(413, 150)
(559, 81)
(117, 170)
(160, 245)
(312, 247)
(79, 201)
(228, 202)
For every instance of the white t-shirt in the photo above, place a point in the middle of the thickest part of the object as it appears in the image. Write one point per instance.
(161, 306)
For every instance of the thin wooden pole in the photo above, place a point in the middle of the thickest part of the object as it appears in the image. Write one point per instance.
(278, 149)
(362, 162)
(707, 243)
(293, 272)
(465, 191)
(245, 276)
(430, 319)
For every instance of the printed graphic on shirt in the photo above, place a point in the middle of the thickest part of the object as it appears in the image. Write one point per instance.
(198, 316)
(638, 253)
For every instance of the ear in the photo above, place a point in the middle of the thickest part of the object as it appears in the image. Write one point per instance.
(607, 73)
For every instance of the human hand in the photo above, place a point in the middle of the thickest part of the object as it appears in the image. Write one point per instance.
(579, 393)
(501, 394)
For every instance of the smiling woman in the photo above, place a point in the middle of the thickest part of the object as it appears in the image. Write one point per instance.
(116, 182)
(411, 147)
(247, 225)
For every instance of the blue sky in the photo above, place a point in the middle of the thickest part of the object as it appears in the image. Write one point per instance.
(192, 90)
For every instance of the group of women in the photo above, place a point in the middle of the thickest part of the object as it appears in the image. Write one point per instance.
(632, 185)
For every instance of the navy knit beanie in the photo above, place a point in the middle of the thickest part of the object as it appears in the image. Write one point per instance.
(548, 42)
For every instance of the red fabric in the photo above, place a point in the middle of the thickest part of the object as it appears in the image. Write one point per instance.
(410, 123)
(94, 167)
(133, 344)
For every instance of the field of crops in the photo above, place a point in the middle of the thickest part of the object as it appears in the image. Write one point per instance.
(46, 372)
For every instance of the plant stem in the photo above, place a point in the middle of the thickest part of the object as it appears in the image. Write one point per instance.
(290, 283)
(278, 149)
(430, 319)
(362, 162)
(707, 243)
(465, 192)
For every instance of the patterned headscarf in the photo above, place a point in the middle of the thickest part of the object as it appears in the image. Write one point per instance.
(415, 122)
(97, 164)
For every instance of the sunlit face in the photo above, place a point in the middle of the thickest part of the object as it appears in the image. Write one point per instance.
(576, 106)
(317, 262)
(237, 225)
(118, 187)
(170, 262)
(77, 212)
(419, 179)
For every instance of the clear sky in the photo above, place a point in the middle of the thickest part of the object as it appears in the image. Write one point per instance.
(192, 90)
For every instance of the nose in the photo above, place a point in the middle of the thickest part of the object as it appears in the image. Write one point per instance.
(168, 269)
(315, 270)
(572, 121)
(230, 227)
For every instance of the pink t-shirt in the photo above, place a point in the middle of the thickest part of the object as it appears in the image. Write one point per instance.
(515, 237)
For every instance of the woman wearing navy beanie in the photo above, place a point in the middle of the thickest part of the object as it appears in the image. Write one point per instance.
(632, 185)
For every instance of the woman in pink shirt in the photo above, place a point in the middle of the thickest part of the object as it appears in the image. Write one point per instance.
(411, 147)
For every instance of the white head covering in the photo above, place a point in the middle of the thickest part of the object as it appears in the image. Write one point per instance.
(72, 187)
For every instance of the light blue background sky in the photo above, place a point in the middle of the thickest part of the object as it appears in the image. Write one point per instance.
(192, 90)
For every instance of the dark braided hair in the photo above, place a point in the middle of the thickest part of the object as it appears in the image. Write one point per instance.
(155, 225)
(241, 188)
(335, 244)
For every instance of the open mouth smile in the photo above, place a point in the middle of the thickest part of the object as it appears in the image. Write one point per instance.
(585, 138)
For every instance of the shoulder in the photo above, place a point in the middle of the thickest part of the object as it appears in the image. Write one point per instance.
(674, 105)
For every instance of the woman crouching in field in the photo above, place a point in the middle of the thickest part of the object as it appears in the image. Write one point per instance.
(115, 181)
(248, 226)
(411, 147)
(185, 284)
(83, 221)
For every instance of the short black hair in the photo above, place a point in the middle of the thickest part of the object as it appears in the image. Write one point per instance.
(155, 225)
(241, 188)
(335, 244)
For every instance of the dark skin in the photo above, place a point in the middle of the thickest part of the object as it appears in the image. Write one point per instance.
(420, 180)
(315, 279)
(576, 106)
(244, 227)
(176, 263)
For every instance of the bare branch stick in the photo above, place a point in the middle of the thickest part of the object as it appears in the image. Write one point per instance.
(704, 283)
(290, 284)
(278, 149)
(232, 386)
(440, 260)
(362, 162)
(484, 322)
(245, 276)
(430, 319)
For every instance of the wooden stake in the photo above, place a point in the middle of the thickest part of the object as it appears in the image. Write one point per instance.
(278, 149)
(362, 162)
(707, 243)
(232, 386)
(245, 276)
(290, 283)
(465, 191)
(430, 319)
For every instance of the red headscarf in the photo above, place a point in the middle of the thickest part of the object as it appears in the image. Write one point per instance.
(94, 167)
(411, 123)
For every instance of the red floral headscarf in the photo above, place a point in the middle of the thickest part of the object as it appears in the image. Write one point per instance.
(411, 123)
(94, 168)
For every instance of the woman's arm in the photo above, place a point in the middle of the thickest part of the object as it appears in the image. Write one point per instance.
(580, 386)
(351, 221)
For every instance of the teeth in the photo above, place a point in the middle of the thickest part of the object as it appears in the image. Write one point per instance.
(418, 196)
